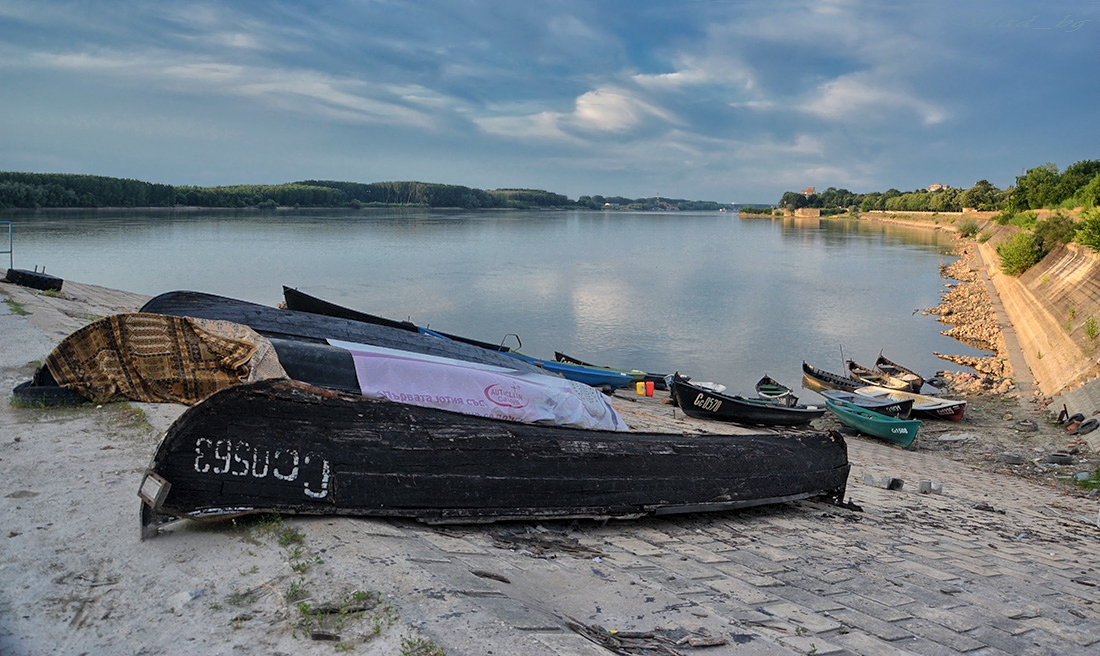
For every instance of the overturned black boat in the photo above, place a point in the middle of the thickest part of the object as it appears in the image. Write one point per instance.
(275, 323)
(293, 448)
(303, 302)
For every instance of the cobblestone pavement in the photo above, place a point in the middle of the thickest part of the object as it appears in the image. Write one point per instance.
(992, 565)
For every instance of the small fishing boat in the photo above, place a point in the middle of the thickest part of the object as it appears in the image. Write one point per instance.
(871, 377)
(924, 405)
(914, 380)
(901, 432)
(900, 408)
(599, 377)
(818, 379)
(702, 403)
(771, 389)
(292, 448)
(638, 375)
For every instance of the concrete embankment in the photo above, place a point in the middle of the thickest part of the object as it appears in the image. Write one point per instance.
(1054, 309)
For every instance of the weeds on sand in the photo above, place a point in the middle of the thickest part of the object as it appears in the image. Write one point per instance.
(16, 307)
(420, 646)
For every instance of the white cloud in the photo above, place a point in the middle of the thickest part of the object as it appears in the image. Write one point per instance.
(856, 98)
(613, 110)
(605, 110)
(298, 90)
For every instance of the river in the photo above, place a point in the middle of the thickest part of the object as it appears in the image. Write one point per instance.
(705, 293)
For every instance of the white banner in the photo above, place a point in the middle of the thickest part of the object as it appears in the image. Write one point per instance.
(478, 389)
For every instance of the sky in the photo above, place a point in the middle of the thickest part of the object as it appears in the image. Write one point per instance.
(728, 101)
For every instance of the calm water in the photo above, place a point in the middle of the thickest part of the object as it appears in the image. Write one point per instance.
(707, 294)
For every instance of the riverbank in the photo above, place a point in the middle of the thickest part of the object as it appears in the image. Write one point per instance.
(949, 573)
(789, 579)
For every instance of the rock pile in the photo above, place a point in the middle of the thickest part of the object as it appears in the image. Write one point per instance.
(965, 305)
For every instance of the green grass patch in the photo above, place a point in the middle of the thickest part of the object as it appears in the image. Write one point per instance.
(1091, 483)
(16, 307)
(416, 645)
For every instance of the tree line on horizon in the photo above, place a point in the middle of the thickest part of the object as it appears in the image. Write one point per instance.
(62, 190)
(1041, 187)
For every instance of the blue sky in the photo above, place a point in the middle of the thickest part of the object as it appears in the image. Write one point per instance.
(731, 101)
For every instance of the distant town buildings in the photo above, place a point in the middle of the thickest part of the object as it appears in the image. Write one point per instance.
(809, 191)
(938, 187)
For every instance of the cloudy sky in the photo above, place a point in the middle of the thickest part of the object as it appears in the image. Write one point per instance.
(724, 100)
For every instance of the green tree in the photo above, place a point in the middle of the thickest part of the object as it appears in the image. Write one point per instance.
(1037, 188)
(1088, 196)
(1075, 176)
(982, 196)
(792, 200)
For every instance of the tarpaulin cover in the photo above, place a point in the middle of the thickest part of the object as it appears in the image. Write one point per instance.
(479, 389)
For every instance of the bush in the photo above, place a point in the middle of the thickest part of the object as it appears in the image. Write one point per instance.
(968, 228)
(1019, 253)
(1088, 231)
(1055, 231)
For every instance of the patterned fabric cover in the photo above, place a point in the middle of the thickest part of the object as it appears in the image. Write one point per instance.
(161, 359)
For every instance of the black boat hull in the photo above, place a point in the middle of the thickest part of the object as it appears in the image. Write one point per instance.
(293, 448)
(288, 324)
(35, 279)
(303, 302)
(702, 403)
(819, 379)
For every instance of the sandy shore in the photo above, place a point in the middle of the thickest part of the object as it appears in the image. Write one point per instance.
(77, 579)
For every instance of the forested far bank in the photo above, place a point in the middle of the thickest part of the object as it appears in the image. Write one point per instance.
(60, 190)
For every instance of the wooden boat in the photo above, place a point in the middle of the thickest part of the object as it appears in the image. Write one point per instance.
(303, 302)
(914, 380)
(292, 448)
(818, 379)
(924, 405)
(899, 408)
(901, 432)
(871, 377)
(637, 375)
(772, 390)
(291, 325)
(595, 376)
(702, 403)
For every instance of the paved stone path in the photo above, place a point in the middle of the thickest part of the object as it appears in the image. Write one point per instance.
(993, 565)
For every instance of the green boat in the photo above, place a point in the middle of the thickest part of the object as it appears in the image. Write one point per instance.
(901, 432)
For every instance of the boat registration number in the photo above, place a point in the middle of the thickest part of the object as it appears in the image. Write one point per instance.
(708, 403)
(239, 458)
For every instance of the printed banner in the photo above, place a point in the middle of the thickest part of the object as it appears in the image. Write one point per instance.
(479, 389)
